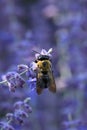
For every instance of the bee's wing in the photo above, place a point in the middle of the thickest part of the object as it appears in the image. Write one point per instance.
(38, 90)
(38, 83)
(52, 84)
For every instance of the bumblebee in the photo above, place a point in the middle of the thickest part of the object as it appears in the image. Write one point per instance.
(44, 74)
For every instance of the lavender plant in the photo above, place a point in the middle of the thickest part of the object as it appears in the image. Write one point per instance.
(63, 26)
(15, 80)
(21, 111)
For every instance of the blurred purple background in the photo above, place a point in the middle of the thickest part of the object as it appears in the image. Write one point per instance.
(27, 25)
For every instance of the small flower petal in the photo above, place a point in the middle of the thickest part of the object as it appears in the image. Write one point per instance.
(33, 66)
(10, 75)
(32, 83)
(18, 104)
(9, 116)
(20, 115)
(22, 67)
(11, 87)
(37, 55)
(19, 80)
(27, 108)
(43, 52)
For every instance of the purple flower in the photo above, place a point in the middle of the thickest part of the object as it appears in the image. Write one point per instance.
(22, 110)
(13, 80)
(19, 80)
(18, 104)
(31, 83)
(30, 73)
(27, 108)
(22, 67)
(11, 86)
(33, 66)
(20, 115)
(9, 116)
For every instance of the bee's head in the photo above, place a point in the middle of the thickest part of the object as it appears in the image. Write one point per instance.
(43, 57)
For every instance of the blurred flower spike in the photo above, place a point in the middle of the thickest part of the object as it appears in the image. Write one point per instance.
(22, 109)
(23, 105)
(6, 126)
(50, 11)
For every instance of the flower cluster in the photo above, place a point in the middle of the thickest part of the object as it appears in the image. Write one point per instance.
(13, 80)
(6, 126)
(21, 111)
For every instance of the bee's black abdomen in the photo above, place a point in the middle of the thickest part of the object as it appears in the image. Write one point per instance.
(44, 73)
(45, 80)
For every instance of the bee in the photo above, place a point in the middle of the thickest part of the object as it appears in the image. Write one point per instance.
(44, 73)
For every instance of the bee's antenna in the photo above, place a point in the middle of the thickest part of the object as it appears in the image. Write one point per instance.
(36, 51)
